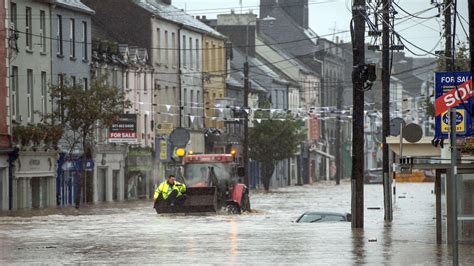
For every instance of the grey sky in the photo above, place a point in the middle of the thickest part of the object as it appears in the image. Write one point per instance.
(329, 16)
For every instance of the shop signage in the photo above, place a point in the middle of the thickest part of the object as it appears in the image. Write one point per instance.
(124, 130)
(453, 90)
(140, 160)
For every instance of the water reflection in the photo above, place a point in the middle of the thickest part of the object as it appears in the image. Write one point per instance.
(132, 233)
(358, 245)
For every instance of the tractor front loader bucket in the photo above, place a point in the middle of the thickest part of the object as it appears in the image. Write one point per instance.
(198, 199)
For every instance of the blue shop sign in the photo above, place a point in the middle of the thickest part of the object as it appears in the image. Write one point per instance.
(444, 82)
(75, 165)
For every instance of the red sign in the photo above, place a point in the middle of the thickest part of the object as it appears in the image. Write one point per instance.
(454, 97)
(314, 128)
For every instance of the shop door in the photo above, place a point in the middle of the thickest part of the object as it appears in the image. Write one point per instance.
(115, 187)
(101, 184)
(3, 189)
(35, 192)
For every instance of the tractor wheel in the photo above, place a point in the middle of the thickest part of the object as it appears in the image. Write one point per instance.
(246, 202)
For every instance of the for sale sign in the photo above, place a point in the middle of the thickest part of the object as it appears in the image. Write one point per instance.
(453, 90)
(124, 130)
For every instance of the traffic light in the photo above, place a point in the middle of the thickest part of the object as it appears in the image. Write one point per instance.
(180, 152)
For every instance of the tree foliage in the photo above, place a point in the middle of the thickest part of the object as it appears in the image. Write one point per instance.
(81, 112)
(273, 138)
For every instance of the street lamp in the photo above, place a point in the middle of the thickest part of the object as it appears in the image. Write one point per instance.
(246, 100)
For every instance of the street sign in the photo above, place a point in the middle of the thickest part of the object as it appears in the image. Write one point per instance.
(180, 137)
(453, 90)
(395, 126)
(164, 128)
(412, 133)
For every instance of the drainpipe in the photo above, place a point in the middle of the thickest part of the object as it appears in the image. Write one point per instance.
(288, 108)
(180, 102)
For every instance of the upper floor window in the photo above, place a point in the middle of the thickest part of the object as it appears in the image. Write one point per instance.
(44, 92)
(42, 32)
(14, 92)
(173, 46)
(28, 29)
(29, 94)
(72, 37)
(191, 58)
(197, 54)
(158, 45)
(184, 51)
(59, 34)
(13, 15)
(166, 48)
(85, 52)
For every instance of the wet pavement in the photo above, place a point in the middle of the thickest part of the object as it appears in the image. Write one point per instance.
(132, 233)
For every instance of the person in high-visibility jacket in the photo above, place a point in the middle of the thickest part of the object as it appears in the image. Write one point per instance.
(171, 191)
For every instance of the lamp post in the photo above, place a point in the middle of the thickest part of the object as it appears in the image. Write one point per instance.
(246, 100)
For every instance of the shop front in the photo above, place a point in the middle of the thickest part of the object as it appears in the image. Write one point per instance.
(34, 182)
(109, 173)
(139, 177)
(4, 181)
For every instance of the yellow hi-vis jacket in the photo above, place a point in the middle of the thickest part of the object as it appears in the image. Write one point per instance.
(165, 189)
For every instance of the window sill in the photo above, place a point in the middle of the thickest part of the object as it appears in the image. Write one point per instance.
(73, 58)
(29, 51)
(158, 64)
(60, 55)
(85, 60)
(43, 53)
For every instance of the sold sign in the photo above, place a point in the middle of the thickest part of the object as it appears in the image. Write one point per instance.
(454, 97)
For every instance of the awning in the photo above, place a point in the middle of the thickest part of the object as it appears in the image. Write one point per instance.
(422, 148)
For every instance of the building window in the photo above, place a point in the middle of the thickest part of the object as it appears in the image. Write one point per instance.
(184, 103)
(197, 54)
(166, 48)
(191, 99)
(28, 29)
(191, 57)
(127, 81)
(29, 94)
(44, 93)
(184, 51)
(174, 50)
(86, 84)
(13, 15)
(73, 81)
(158, 45)
(208, 57)
(145, 83)
(59, 34)
(43, 31)
(15, 93)
(145, 118)
(60, 104)
(114, 78)
(72, 37)
(85, 52)
(214, 57)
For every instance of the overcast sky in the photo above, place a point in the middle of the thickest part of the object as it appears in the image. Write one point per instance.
(329, 16)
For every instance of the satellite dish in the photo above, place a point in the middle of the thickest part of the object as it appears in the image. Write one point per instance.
(395, 126)
(412, 133)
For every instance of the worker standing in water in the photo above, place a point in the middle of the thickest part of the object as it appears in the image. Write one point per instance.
(170, 191)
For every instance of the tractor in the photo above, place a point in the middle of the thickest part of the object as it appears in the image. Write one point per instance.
(213, 183)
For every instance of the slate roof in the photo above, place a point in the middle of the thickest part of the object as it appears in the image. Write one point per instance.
(74, 5)
(174, 14)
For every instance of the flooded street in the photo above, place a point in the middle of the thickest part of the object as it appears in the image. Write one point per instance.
(132, 233)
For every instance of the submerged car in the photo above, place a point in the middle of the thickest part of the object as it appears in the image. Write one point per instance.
(322, 217)
(373, 176)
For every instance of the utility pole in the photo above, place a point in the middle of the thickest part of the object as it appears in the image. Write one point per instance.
(338, 133)
(386, 109)
(471, 33)
(357, 178)
(450, 66)
(245, 152)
